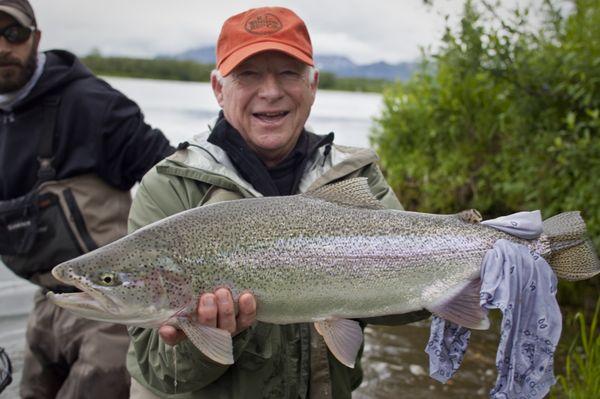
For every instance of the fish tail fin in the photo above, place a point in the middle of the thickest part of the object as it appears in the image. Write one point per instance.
(572, 254)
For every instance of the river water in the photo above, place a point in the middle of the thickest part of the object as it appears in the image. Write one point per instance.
(394, 362)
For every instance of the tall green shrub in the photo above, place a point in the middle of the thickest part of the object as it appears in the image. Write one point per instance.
(504, 117)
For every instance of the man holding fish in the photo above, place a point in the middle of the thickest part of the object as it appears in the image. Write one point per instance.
(265, 82)
(235, 287)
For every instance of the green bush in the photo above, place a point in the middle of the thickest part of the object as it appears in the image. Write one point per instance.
(504, 117)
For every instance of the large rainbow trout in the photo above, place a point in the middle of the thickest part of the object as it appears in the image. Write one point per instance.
(327, 256)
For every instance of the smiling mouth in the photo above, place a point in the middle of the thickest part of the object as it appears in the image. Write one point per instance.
(270, 117)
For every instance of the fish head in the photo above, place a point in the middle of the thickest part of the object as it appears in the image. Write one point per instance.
(123, 283)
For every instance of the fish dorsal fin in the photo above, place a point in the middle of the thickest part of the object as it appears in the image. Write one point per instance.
(463, 308)
(343, 338)
(352, 192)
(214, 343)
(471, 216)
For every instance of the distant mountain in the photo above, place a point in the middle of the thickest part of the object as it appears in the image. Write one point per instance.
(339, 65)
(204, 55)
(343, 66)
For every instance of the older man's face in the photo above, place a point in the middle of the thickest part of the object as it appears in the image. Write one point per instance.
(17, 60)
(267, 99)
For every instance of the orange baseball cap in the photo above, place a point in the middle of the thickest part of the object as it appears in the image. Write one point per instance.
(262, 29)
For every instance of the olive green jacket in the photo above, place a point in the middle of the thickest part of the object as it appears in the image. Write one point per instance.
(271, 361)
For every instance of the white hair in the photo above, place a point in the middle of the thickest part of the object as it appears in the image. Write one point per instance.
(215, 73)
(311, 74)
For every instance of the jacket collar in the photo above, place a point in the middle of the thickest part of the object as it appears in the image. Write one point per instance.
(206, 162)
(281, 179)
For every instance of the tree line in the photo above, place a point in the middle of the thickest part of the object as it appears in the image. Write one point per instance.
(190, 71)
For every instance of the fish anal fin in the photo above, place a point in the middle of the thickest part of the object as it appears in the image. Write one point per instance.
(352, 192)
(343, 338)
(463, 308)
(215, 343)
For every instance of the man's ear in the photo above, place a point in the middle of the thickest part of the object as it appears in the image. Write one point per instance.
(217, 88)
(314, 85)
(37, 36)
(315, 82)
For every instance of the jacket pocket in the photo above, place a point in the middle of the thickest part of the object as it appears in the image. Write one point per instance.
(55, 242)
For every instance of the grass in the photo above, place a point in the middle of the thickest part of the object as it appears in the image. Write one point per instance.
(581, 378)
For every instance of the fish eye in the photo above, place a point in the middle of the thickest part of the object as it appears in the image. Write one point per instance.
(108, 279)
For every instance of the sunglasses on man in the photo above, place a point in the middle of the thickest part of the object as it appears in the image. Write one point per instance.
(16, 34)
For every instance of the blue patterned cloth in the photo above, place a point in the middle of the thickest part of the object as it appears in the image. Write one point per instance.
(523, 286)
(446, 348)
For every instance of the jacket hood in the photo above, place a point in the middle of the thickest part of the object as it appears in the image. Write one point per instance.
(61, 68)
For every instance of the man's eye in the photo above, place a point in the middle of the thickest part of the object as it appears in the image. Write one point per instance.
(247, 73)
(290, 76)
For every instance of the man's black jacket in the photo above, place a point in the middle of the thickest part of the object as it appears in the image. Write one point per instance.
(97, 130)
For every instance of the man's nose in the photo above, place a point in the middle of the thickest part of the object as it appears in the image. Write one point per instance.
(270, 87)
(5, 46)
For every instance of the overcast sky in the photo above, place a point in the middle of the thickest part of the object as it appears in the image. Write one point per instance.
(364, 30)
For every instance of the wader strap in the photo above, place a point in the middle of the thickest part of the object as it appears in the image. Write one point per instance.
(46, 171)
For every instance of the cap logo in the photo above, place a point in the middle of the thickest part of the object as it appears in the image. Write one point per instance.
(263, 24)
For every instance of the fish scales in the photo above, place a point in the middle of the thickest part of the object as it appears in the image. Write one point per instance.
(298, 255)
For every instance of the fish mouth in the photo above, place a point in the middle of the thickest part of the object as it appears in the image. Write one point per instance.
(84, 305)
(89, 300)
(76, 300)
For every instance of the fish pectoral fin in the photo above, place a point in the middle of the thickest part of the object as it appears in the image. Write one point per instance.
(343, 338)
(215, 343)
(352, 192)
(464, 308)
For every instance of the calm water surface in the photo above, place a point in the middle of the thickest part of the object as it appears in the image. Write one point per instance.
(395, 364)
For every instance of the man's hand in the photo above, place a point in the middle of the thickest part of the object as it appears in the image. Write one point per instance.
(217, 310)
